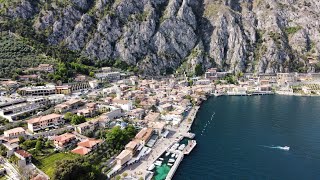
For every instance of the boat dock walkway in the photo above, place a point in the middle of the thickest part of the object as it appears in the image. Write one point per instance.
(175, 166)
(191, 116)
(189, 147)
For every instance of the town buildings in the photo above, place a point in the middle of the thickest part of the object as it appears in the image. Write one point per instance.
(44, 122)
(14, 133)
(64, 140)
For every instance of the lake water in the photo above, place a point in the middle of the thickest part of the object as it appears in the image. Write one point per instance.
(237, 138)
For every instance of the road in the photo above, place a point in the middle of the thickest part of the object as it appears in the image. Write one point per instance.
(11, 171)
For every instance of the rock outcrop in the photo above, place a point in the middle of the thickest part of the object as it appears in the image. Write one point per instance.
(160, 36)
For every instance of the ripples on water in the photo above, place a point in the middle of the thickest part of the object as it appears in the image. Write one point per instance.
(229, 147)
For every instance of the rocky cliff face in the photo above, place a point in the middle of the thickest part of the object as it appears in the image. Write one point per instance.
(158, 36)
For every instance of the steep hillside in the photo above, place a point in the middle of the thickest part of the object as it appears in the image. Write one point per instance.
(15, 56)
(159, 36)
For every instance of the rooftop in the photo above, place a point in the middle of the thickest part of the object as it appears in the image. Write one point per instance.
(81, 150)
(123, 154)
(131, 145)
(64, 137)
(144, 133)
(44, 118)
(23, 153)
(89, 143)
(15, 130)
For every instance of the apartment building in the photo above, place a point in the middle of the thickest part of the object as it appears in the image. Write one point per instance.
(44, 122)
(19, 109)
(37, 91)
(68, 105)
(64, 140)
(14, 133)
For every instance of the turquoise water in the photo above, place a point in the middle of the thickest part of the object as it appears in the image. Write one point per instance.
(241, 139)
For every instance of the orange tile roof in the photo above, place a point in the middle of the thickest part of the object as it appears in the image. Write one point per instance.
(89, 143)
(64, 137)
(81, 150)
(15, 130)
(43, 118)
(23, 153)
(131, 144)
(123, 154)
(144, 134)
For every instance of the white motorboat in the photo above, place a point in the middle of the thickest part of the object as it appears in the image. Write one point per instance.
(286, 148)
(169, 164)
(158, 163)
(161, 159)
(167, 154)
(181, 147)
(171, 160)
(151, 167)
(173, 155)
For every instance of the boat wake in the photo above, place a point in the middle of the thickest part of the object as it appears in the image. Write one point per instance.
(208, 123)
(285, 148)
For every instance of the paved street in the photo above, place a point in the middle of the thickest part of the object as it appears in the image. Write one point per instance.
(11, 171)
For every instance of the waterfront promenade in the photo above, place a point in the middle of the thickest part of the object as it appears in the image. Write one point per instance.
(176, 134)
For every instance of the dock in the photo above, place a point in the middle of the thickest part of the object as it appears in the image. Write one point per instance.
(175, 166)
(189, 147)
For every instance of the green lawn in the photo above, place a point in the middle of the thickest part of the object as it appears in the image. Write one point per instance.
(47, 163)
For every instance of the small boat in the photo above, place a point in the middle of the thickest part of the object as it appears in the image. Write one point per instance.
(181, 147)
(175, 146)
(167, 154)
(161, 159)
(286, 148)
(151, 167)
(158, 163)
(173, 155)
(169, 164)
(171, 160)
(177, 155)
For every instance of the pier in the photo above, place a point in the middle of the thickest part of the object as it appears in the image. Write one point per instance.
(175, 166)
(189, 147)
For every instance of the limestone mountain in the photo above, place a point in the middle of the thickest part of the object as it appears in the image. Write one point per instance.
(266, 36)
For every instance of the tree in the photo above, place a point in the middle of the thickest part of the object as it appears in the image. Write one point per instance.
(198, 70)
(38, 145)
(47, 144)
(68, 116)
(21, 139)
(71, 169)
(77, 119)
(118, 138)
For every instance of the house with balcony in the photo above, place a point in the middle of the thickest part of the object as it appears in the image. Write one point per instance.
(86, 146)
(144, 135)
(14, 133)
(88, 126)
(64, 140)
(44, 122)
(125, 105)
(68, 105)
(24, 157)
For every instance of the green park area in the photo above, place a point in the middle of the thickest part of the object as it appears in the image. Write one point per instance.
(48, 163)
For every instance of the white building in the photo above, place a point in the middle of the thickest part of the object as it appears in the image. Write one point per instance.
(126, 105)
